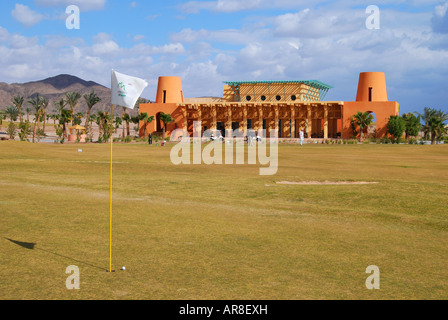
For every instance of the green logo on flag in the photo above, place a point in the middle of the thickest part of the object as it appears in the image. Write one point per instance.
(122, 90)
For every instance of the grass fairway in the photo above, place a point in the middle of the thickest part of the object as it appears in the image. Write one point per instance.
(221, 231)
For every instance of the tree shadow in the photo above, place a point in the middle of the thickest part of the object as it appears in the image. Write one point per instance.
(32, 246)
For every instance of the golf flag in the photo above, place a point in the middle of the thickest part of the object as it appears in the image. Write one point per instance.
(126, 89)
(125, 92)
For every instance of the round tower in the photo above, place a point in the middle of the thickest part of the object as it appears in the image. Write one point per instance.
(372, 87)
(169, 90)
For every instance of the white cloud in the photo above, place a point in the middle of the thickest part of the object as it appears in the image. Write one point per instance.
(84, 5)
(229, 36)
(229, 6)
(138, 38)
(326, 43)
(26, 16)
(172, 48)
(20, 42)
(440, 18)
(105, 48)
(4, 34)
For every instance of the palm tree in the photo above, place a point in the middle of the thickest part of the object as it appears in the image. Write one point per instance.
(102, 119)
(36, 102)
(144, 117)
(126, 118)
(78, 117)
(148, 121)
(2, 117)
(118, 121)
(362, 120)
(166, 118)
(17, 101)
(92, 119)
(54, 117)
(135, 120)
(434, 123)
(12, 112)
(28, 110)
(72, 101)
(44, 105)
(60, 109)
(64, 118)
(91, 100)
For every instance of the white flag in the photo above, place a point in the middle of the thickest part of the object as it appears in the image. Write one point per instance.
(126, 90)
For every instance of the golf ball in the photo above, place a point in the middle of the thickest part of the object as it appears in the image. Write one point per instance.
(123, 268)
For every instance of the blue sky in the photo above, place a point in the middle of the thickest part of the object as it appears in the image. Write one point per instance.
(208, 42)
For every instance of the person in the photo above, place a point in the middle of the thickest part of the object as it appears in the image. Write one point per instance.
(150, 138)
(302, 136)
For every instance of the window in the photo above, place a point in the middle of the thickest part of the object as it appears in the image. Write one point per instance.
(278, 98)
(370, 94)
(248, 98)
(293, 98)
(263, 98)
(164, 96)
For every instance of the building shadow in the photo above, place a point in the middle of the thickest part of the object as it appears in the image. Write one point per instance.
(32, 246)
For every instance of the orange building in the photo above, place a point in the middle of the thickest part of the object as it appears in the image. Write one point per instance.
(283, 106)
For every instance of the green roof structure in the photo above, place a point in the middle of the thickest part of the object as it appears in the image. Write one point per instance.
(313, 84)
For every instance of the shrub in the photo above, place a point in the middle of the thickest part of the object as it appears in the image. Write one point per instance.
(40, 134)
(11, 130)
(25, 131)
(386, 140)
(396, 127)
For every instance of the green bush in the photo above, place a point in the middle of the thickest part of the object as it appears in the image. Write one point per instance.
(127, 139)
(11, 130)
(40, 134)
(396, 127)
(25, 131)
(386, 140)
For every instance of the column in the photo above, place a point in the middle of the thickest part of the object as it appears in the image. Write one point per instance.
(293, 117)
(214, 121)
(185, 114)
(229, 120)
(325, 122)
(260, 119)
(308, 121)
(200, 118)
(276, 127)
(244, 120)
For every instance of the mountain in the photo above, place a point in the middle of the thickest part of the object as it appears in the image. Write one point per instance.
(54, 89)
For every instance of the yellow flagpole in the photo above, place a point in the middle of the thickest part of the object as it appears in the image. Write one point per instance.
(110, 204)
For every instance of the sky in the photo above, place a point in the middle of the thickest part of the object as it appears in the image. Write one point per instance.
(209, 42)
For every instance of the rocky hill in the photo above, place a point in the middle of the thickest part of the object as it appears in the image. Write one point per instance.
(54, 89)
